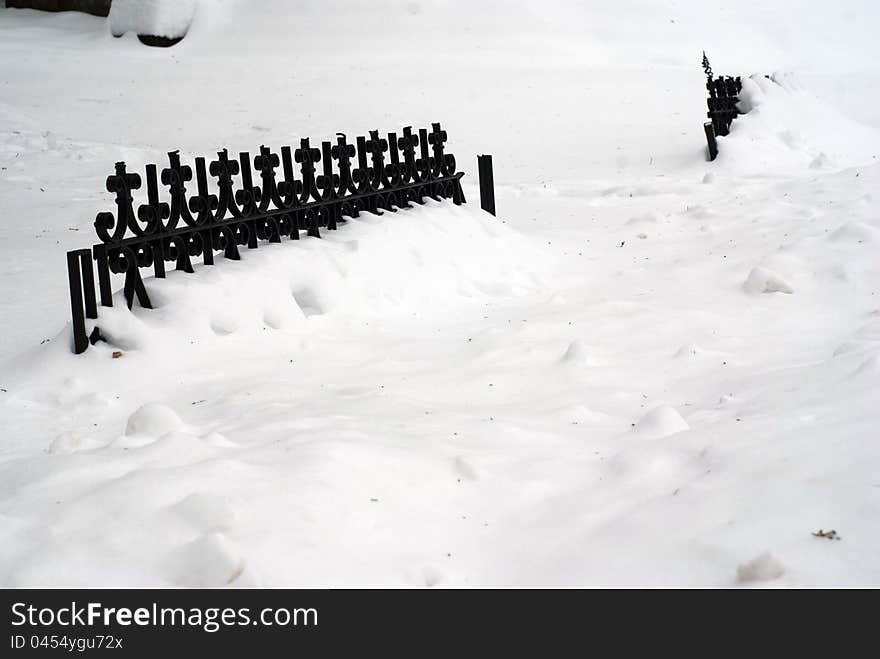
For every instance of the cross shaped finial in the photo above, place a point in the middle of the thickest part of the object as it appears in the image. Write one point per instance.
(437, 136)
(224, 168)
(123, 180)
(266, 161)
(175, 175)
(121, 183)
(342, 150)
(307, 156)
(409, 141)
(377, 147)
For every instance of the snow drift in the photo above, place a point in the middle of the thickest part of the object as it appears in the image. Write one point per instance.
(160, 18)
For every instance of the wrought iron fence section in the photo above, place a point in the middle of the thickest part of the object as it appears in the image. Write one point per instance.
(335, 182)
(723, 96)
(275, 194)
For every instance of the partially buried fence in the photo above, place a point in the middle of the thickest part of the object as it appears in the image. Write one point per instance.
(374, 174)
(723, 96)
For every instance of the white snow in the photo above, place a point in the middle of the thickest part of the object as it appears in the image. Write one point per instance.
(153, 419)
(662, 421)
(648, 370)
(159, 18)
(763, 568)
(761, 280)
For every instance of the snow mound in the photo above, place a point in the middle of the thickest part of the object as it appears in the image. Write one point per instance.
(159, 18)
(211, 560)
(153, 420)
(661, 422)
(854, 232)
(761, 280)
(575, 354)
(788, 128)
(409, 264)
(208, 512)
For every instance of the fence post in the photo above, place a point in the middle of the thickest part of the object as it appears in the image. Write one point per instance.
(103, 264)
(487, 184)
(74, 276)
(88, 283)
(710, 139)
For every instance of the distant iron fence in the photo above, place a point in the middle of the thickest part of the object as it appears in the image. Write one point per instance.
(723, 96)
(374, 174)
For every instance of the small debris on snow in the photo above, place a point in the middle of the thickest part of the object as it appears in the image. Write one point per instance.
(830, 535)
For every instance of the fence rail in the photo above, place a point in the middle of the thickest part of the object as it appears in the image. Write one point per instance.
(374, 174)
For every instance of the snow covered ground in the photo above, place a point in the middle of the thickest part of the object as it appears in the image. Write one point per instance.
(648, 370)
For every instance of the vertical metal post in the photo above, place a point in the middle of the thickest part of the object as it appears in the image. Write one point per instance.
(329, 186)
(487, 184)
(710, 139)
(74, 276)
(88, 283)
(103, 263)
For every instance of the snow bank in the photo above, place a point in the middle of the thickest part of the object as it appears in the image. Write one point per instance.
(407, 264)
(160, 18)
(787, 128)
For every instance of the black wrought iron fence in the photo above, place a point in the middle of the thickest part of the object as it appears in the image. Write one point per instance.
(374, 174)
(723, 96)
